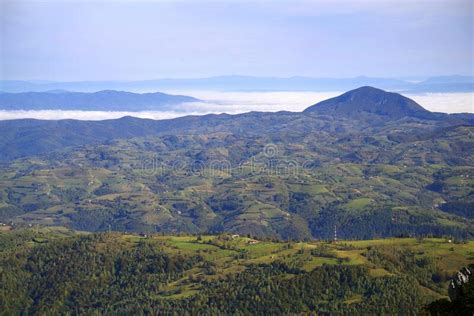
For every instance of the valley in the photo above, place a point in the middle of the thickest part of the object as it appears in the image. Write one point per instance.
(289, 175)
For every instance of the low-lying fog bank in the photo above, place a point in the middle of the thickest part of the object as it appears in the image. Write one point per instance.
(239, 102)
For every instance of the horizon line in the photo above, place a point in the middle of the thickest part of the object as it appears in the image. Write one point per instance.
(404, 77)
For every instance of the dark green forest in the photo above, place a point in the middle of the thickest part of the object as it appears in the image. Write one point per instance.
(62, 272)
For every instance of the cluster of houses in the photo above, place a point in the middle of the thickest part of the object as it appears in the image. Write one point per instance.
(250, 242)
(5, 227)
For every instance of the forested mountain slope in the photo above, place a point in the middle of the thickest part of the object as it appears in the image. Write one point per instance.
(56, 271)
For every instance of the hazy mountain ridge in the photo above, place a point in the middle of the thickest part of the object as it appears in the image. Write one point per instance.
(249, 83)
(106, 100)
(369, 105)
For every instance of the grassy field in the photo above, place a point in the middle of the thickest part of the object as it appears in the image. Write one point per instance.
(427, 263)
(96, 188)
(230, 254)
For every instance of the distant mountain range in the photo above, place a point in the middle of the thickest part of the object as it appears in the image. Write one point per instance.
(248, 83)
(366, 104)
(107, 100)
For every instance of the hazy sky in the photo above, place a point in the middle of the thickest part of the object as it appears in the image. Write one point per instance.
(129, 40)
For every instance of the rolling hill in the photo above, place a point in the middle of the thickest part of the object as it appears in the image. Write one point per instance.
(249, 83)
(400, 171)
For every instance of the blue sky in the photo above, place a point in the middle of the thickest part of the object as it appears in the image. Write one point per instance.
(129, 40)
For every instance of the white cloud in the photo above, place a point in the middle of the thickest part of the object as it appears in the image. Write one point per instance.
(240, 102)
(445, 102)
(88, 115)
